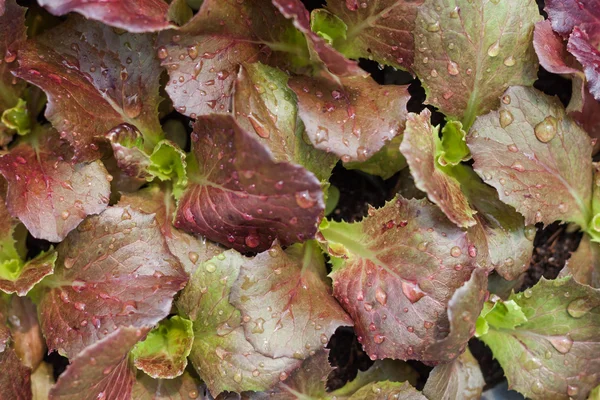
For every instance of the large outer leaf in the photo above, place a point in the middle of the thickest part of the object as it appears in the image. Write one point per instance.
(15, 379)
(114, 270)
(544, 180)
(589, 56)
(189, 249)
(223, 357)
(51, 196)
(12, 34)
(459, 379)
(239, 196)
(584, 264)
(95, 79)
(131, 15)
(419, 146)
(567, 14)
(554, 354)
(301, 315)
(472, 51)
(263, 103)
(353, 119)
(396, 273)
(378, 30)
(101, 371)
(184, 387)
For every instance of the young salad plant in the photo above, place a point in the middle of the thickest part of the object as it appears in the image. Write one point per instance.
(173, 225)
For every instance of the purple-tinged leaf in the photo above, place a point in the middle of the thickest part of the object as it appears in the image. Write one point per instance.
(472, 52)
(308, 381)
(354, 119)
(101, 371)
(163, 354)
(12, 34)
(335, 62)
(131, 15)
(552, 353)
(115, 270)
(95, 79)
(188, 249)
(388, 390)
(28, 274)
(184, 387)
(302, 315)
(567, 14)
(15, 379)
(419, 147)
(585, 110)
(378, 30)
(589, 56)
(458, 379)
(239, 196)
(27, 339)
(395, 273)
(263, 103)
(584, 264)
(552, 51)
(545, 171)
(127, 146)
(223, 357)
(51, 196)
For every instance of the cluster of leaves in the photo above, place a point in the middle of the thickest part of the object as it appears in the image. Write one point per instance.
(210, 244)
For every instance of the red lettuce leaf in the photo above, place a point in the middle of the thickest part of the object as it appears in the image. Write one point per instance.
(132, 15)
(354, 119)
(184, 387)
(301, 315)
(15, 379)
(95, 79)
(238, 196)
(584, 109)
(567, 14)
(589, 56)
(49, 195)
(584, 263)
(395, 273)
(379, 30)
(101, 371)
(114, 270)
(29, 274)
(552, 51)
(460, 378)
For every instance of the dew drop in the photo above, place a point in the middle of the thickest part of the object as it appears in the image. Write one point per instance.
(252, 240)
(210, 267)
(412, 291)
(537, 387)
(324, 338)
(513, 148)
(527, 293)
(506, 99)
(64, 215)
(283, 376)
(494, 49)
(237, 377)
(572, 390)
(546, 130)
(378, 338)
(509, 61)
(452, 68)
(455, 252)
(193, 394)
(517, 166)
(562, 344)
(321, 135)
(472, 251)
(381, 296)
(304, 199)
(506, 118)
(162, 53)
(579, 307)
(434, 27)
(193, 256)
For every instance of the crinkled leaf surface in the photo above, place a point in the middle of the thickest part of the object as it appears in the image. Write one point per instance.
(263, 103)
(49, 195)
(239, 196)
(472, 52)
(584, 264)
(420, 146)
(460, 378)
(353, 119)
(15, 379)
(301, 315)
(133, 16)
(395, 273)
(388, 390)
(127, 145)
(589, 56)
(24, 276)
(536, 157)
(567, 14)
(379, 30)
(184, 387)
(223, 357)
(102, 370)
(95, 79)
(553, 353)
(163, 354)
(188, 249)
(114, 270)
(12, 34)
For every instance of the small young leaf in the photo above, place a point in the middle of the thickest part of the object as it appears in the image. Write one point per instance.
(420, 145)
(17, 118)
(167, 162)
(239, 196)
(127, 144)
(453, 147)
(18, 277)
(132, 15)
(163, 354)
(327, 25)
(541, 176)
(459, 379)
(102, 370)
(184, 387)
(114, 270)
(223, 357)
(354, 119)
(552, 349)
(302, 315)
(472, 52)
